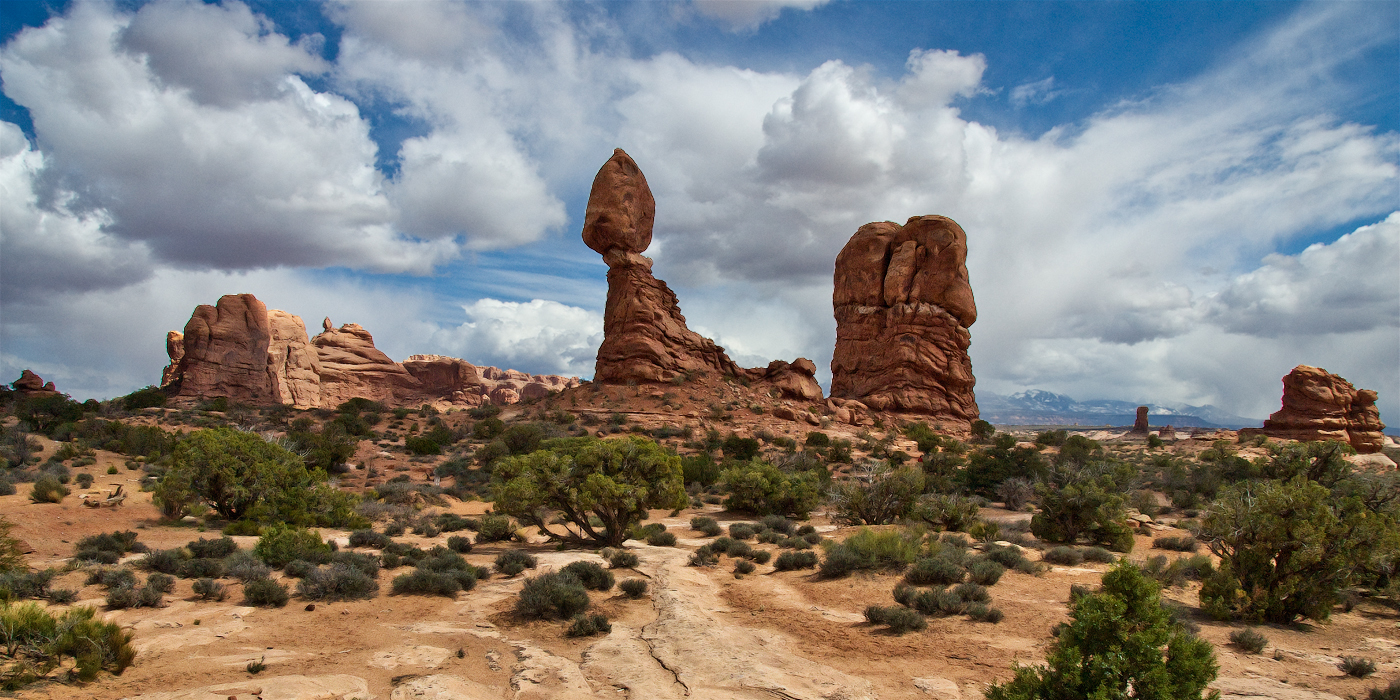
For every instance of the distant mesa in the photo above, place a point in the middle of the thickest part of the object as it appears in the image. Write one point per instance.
(1319, 405)
(903, 305)
(645, 337)
(31, 385)
(241, 350)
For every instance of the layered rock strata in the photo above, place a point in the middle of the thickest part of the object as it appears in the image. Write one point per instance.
(241, 350)
(1319, 405)
(903, 306)
(645, 337)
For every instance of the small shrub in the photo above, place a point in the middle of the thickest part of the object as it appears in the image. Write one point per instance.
(48, 489)
(554, 595)
(741, 531)
(265, 593)
(591, 575)
(209, 589)
(792, 561)
(424, 582)
(123, 597)
(163, 583)
(200, 568)
(760, 557)
(244, 566)
(777, 523)
(212, 549)
(740, 549)
(459, 544)
(898, 618)
(62, 596)
(1357, 667)
(298, 569)
(743, 566)
(985, 572)
(495, 528)
(982, 613)
(934, 571)
(112, 578)
(84, 480)
(371, 539)
(795, 543)
(700, 522)
(662, 539)
(588, 625)
(339, 581)
(148, 597)
(451, 522)
(1176, 544)
(513, 561)
(972, 593)
(1390, 692)
(1064, 556)
(282, 543)
(937, 603)
(633, 587)
(1249, 641)
(704, 556)
(256, 667)
(395, 529)
(621, 559)
(1098, 555)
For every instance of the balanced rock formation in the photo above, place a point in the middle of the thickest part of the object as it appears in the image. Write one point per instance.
(31, 385)
(645, 338)
(241, 350)
(1319, 405)
(903, 305)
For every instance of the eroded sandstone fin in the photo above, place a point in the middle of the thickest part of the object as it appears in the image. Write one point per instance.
(1319, 405)
(903, 305)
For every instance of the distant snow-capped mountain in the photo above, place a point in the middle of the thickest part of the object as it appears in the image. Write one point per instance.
(1036, 407)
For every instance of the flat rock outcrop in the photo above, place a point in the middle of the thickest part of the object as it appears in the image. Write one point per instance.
(645, 337)
(241, 350)
(903, 306)
(1319, 405)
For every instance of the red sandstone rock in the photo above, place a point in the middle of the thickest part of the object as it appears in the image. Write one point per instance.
(30, 384)
(1140, 423)
(225, 352)
(443, 375)
(175, 349)
(293, 366)
(645, 337)
(1318, 405)
(352, 367)
(903, 305)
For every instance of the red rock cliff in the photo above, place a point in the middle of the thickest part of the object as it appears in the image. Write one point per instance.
(1319, 405)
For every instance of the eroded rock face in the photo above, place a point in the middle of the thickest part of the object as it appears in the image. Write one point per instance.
(1319, 405)
(645, 337)
(293, 367)
(903, 306)
(31, 385)
(241, 350)
(1140, 422)
(352, 367)
(175, 349)
(225, 351)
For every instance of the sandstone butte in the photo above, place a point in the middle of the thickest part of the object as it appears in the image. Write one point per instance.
(241, 350)
(645, 338)
(1319, 405)
(903, 305)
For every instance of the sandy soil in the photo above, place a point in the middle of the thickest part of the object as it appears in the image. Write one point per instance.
(699, 632)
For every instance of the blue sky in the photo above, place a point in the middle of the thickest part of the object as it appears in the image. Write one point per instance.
(1173, 202)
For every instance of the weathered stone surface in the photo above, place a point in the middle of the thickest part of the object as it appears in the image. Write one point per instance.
(225, 352)
(175, 349)
(327, 687)
(30, 385)
(352, 367)
(645, 337)
(1140, 422)
(244, 351)
(903, 305)
(621, 209)
(293, 367)
(442, 687)
(1319, 405)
